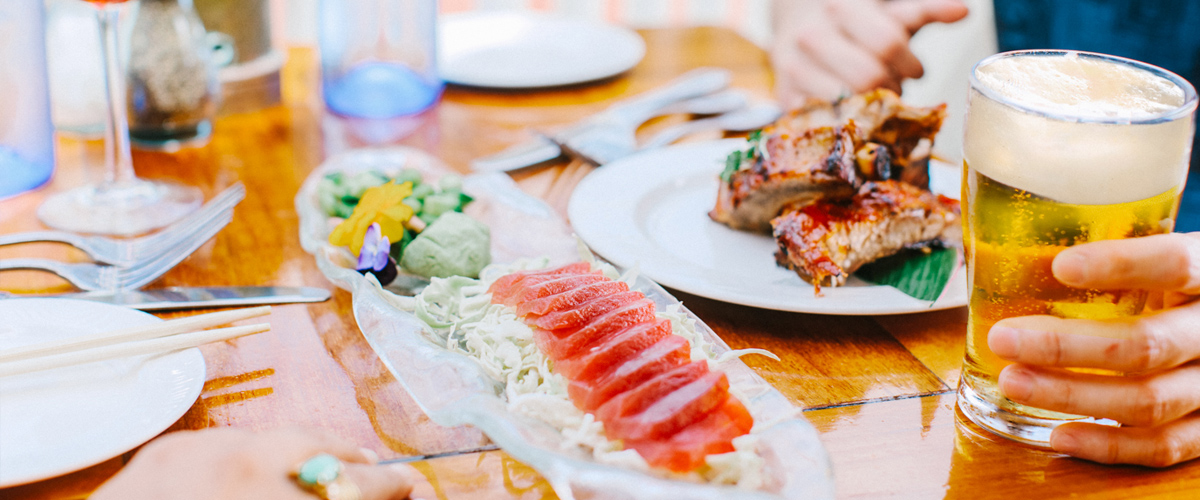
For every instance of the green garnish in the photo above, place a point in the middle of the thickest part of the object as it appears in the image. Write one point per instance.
(339, 192)
(737, 160)
(919, 273)
(732, 163)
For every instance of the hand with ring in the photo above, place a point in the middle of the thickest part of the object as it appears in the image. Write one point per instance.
(234, 464)
(1157, 401)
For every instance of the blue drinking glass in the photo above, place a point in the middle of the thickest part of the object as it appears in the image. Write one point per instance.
(379, 57)
(26, 134)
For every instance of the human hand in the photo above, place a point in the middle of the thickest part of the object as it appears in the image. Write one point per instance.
(1157, 402)
(233, 464)
(823, 48)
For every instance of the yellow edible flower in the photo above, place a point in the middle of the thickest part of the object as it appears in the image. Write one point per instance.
(382, 204)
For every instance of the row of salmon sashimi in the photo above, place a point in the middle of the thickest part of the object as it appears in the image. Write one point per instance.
(625, 366)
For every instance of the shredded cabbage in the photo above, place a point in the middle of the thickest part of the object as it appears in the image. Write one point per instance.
(461, 317)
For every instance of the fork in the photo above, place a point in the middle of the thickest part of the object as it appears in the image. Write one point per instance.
(95, 277)
(610, 135)
(130, 251)
(754, 117)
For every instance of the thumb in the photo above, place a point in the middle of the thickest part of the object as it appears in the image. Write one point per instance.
(913, 14)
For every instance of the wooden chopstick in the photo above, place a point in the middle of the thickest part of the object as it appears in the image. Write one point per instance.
(157, 330)
(135, 348)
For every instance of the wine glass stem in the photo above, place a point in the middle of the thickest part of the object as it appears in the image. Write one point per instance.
(118, 161)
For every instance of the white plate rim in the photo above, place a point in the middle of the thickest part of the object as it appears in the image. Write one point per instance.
(192, 371)
(645, 171)
(622, 36)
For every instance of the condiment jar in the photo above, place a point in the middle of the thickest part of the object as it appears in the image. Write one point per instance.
(173, 89)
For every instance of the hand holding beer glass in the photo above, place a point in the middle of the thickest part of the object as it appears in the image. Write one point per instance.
(1063, 149)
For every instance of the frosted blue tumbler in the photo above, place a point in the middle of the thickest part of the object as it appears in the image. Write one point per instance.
(26, 134)
(379, 57)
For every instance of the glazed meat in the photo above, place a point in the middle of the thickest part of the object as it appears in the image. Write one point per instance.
(827, 150)
(882, 120)
(798, 168)
(826, 241)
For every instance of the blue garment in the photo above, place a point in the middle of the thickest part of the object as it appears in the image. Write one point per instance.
(1164, 33)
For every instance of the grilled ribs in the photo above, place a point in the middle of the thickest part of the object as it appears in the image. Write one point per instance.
(828, 150)
(803, 168)
(826, 241)
(883, 120)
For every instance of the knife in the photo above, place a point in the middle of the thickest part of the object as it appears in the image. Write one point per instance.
(180, 297)
(622, 118)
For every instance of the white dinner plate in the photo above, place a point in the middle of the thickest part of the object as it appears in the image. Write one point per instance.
(528, 50)
(650, 211)
(58, 421)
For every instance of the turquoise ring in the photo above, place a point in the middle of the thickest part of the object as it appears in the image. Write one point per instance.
(322, 476)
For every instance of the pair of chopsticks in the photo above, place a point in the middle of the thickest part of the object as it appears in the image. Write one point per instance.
(161, 337)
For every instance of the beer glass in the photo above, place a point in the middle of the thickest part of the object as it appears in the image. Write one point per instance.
(1061, 148)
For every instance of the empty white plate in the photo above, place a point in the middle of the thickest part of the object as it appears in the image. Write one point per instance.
(57, 421)
(529, 50)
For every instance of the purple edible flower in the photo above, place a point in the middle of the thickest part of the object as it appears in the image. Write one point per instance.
(373, 257)
(374, 253)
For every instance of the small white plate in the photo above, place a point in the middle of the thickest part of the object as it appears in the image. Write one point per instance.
(526, 50)
(650, 211)
(58, 421)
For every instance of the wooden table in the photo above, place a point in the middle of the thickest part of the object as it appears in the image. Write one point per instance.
(879, 389)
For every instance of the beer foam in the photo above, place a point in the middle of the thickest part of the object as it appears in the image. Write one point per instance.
(1081, 87)
(1084, 163)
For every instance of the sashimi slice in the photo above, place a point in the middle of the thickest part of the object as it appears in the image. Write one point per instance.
(601, 358)
(664, 355)
(670, 413)
(563, 344)
(584, 313)
(634, 401)
(502, 287)
(685, 451)
(570, 298)
(526, 291)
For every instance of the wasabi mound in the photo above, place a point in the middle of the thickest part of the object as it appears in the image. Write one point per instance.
(454, 245)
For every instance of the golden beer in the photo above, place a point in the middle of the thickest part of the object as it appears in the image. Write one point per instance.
(1061, 148)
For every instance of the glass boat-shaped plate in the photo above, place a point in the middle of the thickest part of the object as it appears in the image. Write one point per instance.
(452, 389)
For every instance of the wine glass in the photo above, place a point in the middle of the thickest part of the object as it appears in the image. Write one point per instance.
(121, 204)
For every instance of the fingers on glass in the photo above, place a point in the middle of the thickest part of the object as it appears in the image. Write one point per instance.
(1143, 401)
(1166, 262)
(1152, 342)
(1163, 446)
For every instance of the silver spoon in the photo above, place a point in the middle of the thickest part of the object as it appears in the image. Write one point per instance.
(756, 116)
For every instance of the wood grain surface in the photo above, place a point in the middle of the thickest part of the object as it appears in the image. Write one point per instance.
(880, 390)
